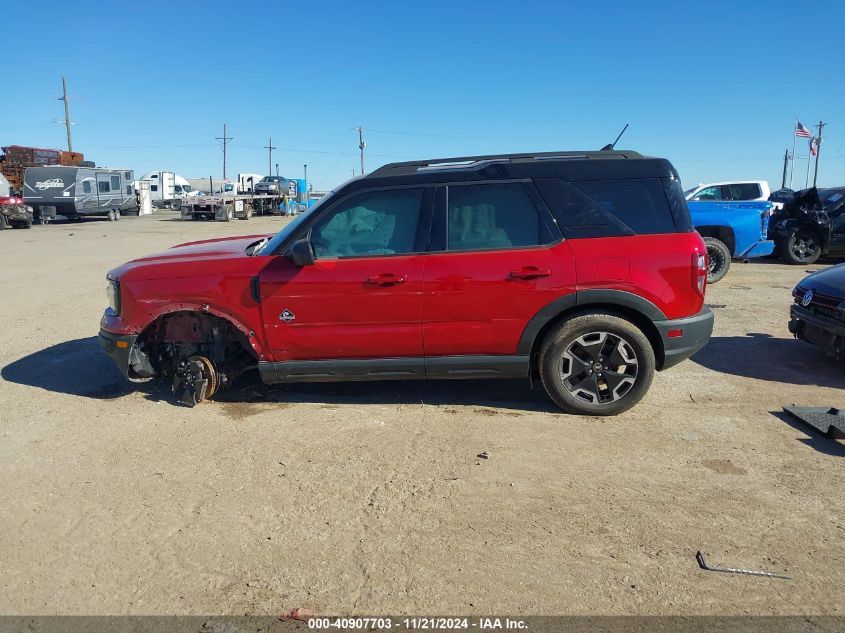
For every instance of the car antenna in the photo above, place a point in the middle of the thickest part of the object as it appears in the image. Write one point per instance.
(608, 148)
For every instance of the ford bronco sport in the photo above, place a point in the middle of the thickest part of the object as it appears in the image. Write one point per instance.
(580, 268)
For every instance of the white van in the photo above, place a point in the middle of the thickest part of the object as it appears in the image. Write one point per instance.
(168, 188)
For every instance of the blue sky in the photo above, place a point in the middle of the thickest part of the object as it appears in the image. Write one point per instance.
(713, 86)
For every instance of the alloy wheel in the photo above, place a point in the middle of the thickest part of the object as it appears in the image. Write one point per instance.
(599, 367)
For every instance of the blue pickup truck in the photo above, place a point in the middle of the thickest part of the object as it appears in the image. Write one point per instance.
(732, 230)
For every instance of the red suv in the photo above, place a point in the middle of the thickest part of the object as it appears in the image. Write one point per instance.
(581, 268)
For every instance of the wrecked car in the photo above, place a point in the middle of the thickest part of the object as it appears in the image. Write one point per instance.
(810, 225)
(582, 269)
(817, 315)
(14, 213)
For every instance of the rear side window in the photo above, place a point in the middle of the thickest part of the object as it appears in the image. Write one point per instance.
(86, 186)
(744, 191)
(115, 183)
(639, 203)
(494, 216)
(578, 215)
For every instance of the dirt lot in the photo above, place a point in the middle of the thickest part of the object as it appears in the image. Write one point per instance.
(369, 497)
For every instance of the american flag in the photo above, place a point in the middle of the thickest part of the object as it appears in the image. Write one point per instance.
(801, 131)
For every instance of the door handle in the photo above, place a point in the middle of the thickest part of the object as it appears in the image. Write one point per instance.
(529, 272)
(387, 279)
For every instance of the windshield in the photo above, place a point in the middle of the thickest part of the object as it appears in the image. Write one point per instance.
(270, 179)
(275, 241)
(187, 188)
(831, 196)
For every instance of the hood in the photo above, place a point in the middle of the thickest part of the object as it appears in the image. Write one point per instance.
(190, 259)
(830, 281)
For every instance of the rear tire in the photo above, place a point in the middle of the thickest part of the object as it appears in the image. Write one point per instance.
(596, 364)
(718, 259)
(801, 247)
(176, 204)
(4, 223)
(111, 216)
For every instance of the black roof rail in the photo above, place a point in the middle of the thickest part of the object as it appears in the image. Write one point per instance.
(477, 162)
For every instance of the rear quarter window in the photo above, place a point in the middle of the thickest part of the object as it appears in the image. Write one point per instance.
(640, 204)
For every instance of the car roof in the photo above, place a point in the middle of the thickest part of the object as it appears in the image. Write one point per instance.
(586, 165)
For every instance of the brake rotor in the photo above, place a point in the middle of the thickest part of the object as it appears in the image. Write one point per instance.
(209, 374)
(196, 380)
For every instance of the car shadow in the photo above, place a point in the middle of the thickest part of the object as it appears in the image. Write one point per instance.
(80, 368)
(764, 357)
(493, 393)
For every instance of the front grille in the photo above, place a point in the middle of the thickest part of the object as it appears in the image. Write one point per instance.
(819, 299)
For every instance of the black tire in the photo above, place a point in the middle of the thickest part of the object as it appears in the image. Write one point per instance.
(801, 247)
(111, 216)
(718, 259)
(117, 214)
(570, 354)
(176, 204)
(230, 213)
(25, 224)
(4, 223)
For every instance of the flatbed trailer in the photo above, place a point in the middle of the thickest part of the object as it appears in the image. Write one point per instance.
(230, 207)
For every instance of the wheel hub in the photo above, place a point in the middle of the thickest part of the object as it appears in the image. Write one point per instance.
(599, 367)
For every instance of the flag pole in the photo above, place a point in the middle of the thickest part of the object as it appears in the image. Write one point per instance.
(792, 167)
(809, 160)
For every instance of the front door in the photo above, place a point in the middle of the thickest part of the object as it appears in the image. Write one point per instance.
(362, 298)
(499, 264)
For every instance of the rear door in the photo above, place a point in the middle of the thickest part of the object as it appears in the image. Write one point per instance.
(497, 259)
(362, 298)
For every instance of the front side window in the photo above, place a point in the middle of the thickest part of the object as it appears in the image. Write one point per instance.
(153, 187)
(709, 193)
(370, 224)
(494, 216)
(103, 186)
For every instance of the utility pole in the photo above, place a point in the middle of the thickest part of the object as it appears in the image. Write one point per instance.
(818, 151)
(67, 122)
(307, 188)
(270, 147)
(785, 161)
(361, 145)
(353, 172)
(225, 140)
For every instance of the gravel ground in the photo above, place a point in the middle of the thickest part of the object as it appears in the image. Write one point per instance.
(370, 497)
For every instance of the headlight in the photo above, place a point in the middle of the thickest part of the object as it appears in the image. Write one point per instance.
(113, 294)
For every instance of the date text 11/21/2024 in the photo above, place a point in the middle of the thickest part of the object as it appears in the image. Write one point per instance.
(417, 623)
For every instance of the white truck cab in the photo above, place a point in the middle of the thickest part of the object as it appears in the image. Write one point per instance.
(744, 190)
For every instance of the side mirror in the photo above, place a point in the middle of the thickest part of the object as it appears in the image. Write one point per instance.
(301, 253)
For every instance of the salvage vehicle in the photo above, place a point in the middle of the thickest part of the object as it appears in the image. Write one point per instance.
(14, 213)
(580, 268)
(812, 224)
(817, 314)
(75, 192)
(271, 185)
(732, 230)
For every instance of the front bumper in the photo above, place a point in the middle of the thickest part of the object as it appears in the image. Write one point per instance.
(820, 330)
(132, 363)
(695, 333)
(759, 249)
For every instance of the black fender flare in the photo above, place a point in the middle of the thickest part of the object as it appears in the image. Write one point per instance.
(584, 298)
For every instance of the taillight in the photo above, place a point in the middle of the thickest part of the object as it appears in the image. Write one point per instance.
(699, 271)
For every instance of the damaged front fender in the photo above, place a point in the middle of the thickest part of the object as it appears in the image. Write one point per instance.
(130, 360)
